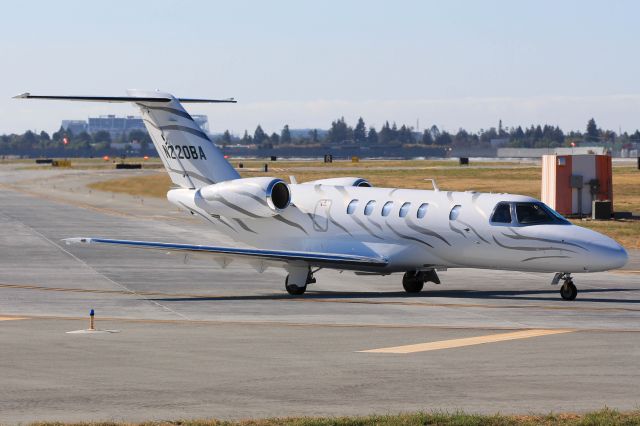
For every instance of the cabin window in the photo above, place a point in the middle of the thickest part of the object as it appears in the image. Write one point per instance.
(404, 209)
(532, 213)
(369, 207)
(502, 213)
(386, 209)
(422, 210)
(455, 212)
(352, 206)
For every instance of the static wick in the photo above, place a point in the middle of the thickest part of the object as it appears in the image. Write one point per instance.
(91, 320)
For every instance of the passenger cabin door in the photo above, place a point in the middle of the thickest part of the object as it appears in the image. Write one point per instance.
(321, 215)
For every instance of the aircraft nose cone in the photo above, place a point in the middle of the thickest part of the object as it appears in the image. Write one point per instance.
(618, 258)
(607, 254)
(601, 252)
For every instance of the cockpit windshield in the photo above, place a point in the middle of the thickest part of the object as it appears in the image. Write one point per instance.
(537, 214)
(529, 213)
(525, 214)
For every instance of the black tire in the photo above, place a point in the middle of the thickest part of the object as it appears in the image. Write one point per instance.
(293, 289)
(411, 283)
(568, 291)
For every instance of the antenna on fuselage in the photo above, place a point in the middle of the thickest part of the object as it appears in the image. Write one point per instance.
(433, 182)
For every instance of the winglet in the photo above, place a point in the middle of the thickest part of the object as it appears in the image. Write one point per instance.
(24, 95)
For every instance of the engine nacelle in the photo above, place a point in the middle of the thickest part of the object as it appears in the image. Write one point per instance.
(342, 181)
(245, 198)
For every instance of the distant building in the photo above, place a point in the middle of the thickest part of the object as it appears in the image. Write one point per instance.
(499, 142)
(539, 152)
(116, 126)
(74, 126)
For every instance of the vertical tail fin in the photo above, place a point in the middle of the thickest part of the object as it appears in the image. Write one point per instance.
(190, 157)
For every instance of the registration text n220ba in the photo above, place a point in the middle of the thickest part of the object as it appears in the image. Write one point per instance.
(184, 152)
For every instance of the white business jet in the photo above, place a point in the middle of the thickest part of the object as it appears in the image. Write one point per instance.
(345, 224)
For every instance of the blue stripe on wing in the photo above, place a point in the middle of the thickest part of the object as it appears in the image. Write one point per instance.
(311, 257)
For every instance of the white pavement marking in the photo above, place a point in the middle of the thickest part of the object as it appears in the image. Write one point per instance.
(53, 243)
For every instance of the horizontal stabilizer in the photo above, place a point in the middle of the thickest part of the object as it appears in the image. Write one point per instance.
(312, 258)
(187, 152)
(159, 98)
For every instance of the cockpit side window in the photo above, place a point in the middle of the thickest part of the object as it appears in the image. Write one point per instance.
(532, 213)
(502, 213)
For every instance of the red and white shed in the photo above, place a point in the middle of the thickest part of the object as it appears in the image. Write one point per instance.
(571, 182)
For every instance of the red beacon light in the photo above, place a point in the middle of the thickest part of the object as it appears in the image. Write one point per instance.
(105, 158)
(145, 158)
(65, 140)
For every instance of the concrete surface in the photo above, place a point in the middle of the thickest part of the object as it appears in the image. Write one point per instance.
(200, 341)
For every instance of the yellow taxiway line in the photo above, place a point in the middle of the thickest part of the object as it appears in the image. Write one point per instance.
(11, 318)
(467, 341)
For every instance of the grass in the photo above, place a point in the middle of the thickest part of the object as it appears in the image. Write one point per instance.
(155, 185)
(379, 173)
(605, 417)
(489, 177)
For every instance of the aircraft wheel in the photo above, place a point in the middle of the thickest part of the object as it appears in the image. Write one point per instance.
(568, 291)
(293, 289)
(411, 283)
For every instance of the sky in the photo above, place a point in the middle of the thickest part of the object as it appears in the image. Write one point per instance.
(455, 64)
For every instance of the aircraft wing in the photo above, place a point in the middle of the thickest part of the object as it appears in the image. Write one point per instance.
(312, 258)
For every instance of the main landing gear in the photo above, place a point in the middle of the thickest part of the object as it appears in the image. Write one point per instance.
(568, 290)
(297, 289)
(413, 281)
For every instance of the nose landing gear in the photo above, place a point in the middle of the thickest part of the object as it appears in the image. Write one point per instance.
(568, 290)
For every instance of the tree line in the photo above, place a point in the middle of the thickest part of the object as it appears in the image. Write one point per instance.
(65, 143)
(340, 132)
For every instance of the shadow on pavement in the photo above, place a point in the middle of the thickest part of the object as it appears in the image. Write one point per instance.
(527, 295)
